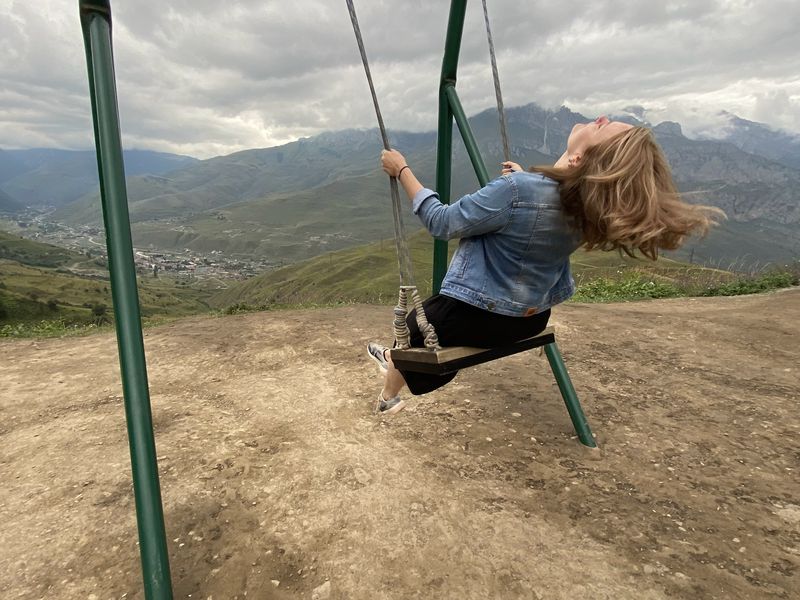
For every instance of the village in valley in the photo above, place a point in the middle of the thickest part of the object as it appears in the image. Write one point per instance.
(35, 225)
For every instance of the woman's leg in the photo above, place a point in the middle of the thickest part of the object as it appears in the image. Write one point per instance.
(457, 324)
(393, 381)
(461, 324)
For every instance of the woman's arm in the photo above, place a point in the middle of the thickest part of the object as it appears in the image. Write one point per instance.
(484, 211)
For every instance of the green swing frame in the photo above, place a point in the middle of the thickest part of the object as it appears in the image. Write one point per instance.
(95, 16)
(450, 110)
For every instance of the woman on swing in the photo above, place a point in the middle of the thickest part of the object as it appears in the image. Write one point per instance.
(611, 189)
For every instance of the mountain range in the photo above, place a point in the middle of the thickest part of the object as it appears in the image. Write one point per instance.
(326, 192)
(759, 139)
(51, 177)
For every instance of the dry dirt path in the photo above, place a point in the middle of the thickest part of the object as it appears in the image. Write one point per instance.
(273, 468)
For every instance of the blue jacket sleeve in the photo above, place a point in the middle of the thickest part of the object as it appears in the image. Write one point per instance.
(485, 211)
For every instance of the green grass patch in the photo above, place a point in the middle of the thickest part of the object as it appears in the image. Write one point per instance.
(631, 286)
(60, 327)
(774, 280)
(636, 284)
(51, 328)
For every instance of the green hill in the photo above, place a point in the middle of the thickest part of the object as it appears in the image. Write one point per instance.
(45, 282)
(15, 248)
(363, 274)
(30, 293)
(46, 289)
(370, 274)
(8, 204)
(289, 227)
(250, 175)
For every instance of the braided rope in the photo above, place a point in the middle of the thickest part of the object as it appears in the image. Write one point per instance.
(427, 330)
(401, 333)
(498, 94)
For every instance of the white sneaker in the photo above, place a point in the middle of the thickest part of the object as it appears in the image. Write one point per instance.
(389, 407)
(377, 353)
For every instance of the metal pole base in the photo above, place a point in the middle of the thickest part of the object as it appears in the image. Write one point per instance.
(570, 397)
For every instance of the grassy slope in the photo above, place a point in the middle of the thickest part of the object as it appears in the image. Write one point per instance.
(27, 289)
(370, 274)
(362, 274)
(288, 227)
(13, 247)
(366, 273)
(33, 274)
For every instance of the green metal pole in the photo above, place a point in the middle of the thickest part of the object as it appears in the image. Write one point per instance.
(444, 142)
(450, 108)
(96, 24)
(570, 397)
(466, 135)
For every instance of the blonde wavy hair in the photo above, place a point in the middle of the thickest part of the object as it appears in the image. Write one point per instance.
(622, 197)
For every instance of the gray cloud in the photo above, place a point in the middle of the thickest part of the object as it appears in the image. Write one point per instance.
(204, 77)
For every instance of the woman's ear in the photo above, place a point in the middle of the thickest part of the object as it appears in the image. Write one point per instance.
(573, 160)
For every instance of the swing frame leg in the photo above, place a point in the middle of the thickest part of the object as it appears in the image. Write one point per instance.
(570, 397)
(450, 110)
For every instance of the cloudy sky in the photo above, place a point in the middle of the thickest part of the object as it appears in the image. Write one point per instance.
(209, 77)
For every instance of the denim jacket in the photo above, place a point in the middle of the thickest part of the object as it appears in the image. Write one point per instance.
(513, 257)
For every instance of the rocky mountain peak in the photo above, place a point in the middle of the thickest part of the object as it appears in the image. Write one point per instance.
(668, 128)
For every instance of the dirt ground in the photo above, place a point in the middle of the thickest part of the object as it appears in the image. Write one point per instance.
(279, 483)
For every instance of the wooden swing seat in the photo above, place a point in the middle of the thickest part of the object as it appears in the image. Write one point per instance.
(455, 358)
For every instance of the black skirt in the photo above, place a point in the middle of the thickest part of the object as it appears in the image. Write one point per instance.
(460, 324)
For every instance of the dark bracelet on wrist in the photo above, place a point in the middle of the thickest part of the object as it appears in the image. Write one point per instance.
(400, 172)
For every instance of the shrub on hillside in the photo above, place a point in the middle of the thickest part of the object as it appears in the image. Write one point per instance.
(100, 314)
(239, 307)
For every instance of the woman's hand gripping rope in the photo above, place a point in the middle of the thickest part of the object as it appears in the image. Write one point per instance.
(510, 167)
